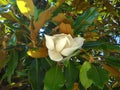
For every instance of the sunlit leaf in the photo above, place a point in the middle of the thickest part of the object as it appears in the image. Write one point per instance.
(26, 7)
(41, 52)
(85, 81)
(3, 2)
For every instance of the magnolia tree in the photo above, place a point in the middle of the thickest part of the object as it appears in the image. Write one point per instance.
(59, 45)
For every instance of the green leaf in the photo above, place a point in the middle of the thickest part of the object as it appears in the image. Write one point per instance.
(93, 44)
(71, 75)
(111, 47)
(54, 79)
(113, 61)
(36, 75)
(85, 20)
(5, 8)
(12, 41)
(36, 13)
(12, 64)
(98, 75)
(85, 81)
(3, 2)
(22, 73)
(93, 87)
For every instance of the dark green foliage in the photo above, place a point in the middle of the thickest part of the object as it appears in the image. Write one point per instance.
(98, 75)
(86, 19)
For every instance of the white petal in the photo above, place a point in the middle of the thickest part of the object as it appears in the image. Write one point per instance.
(60, 44)
(49, 42)
(60, 35)
(69, 39)
(68, 51)
(54, 55)
(78, 41)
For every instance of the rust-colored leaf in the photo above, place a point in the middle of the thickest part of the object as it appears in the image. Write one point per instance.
(113, 71)
(42, 19)
(59, 18)
(2, 58)
(65, 28)
(41, 52)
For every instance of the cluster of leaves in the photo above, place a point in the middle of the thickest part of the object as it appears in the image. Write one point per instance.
(24, 60)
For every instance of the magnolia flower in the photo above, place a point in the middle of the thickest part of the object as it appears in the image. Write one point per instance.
(61, 45)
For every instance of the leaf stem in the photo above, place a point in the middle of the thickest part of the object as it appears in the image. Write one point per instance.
(48, 62)
(37, 74)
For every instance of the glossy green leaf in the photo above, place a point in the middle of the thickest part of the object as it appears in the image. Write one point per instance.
(50, 1)
(36, 75)
(113, 61)
(36, 13)
(22, 73)
(93, 44)
(54, 79)
(71, 75)
(12, 41)
(12, 64)
(98, 75)
(85, 81)
(5, 8)
(93, 87)
(111, 47)
(85, 20)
